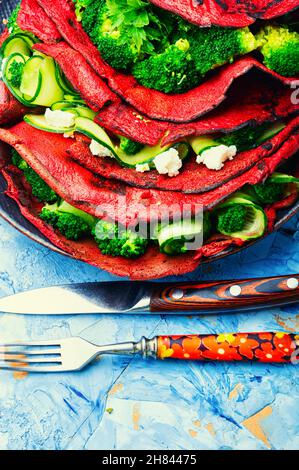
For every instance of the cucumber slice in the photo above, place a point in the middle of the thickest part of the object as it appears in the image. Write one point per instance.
(201, 143)
(39, 122)
(32, 79)
(75, 97)
(63, 82)
(6, 77)
(17, 43)
(68, 209)
(282, 178)
(256, 219)
(146, 155)
(50, 91)
(173, 238)
(76, 106)
(273, 130)
(93, 131)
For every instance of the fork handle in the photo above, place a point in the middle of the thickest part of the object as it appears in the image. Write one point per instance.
(257, 347)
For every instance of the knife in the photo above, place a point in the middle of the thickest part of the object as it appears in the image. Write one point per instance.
(146, 297)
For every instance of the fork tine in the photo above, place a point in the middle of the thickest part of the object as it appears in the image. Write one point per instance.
(29, 360)
(46, 369)
(32, 343)
(37, 352)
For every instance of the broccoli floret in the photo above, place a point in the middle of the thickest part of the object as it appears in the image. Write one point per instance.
(80, 6)
(215, 46)
(12, 24)
(245, 138)
(280, 48)
(231, 219)
(123, 30)
(114, 242)
(129, 146)
(173, 71)
(39, 188)
(15, 72)
(71, 222)
(268, 193)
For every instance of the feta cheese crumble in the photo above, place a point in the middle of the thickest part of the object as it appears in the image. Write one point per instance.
(60, 119)
(142, 167)
(99, 150)
(168, 163)
(215, 157)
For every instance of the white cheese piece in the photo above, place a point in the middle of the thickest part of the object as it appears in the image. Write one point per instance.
(142, 167)
(99, 150)
(168, 163)
(215, 157)
(60, 119)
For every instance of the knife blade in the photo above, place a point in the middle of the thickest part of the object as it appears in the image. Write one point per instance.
(146, 297)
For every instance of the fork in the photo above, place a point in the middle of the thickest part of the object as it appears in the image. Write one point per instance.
(74, 353)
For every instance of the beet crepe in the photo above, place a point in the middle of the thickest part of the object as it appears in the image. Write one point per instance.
(51, 156)
(141, 143)
(181, 107)
(229, 13)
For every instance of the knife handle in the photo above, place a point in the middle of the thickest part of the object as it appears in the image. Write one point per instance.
(226, 295)
(256, 347)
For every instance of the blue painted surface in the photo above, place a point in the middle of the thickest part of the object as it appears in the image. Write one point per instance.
(153, 405)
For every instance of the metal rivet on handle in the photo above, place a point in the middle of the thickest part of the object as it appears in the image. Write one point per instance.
(235, 291)
(292, 283)
(178, 294)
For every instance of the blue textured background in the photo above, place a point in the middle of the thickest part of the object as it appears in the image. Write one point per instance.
(151, 405)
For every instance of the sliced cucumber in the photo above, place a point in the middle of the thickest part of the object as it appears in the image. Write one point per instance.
(173, 238)
(32, 78)
(68, 209)
(39, 122)
(7, 77)
(76, 106)
(256, 219)
(19, 43)
(201, 143)
(50, 91)
(75, 97)
(146, 155)
(63, 82)
(282, 178)
(93, 131)
(272, 131)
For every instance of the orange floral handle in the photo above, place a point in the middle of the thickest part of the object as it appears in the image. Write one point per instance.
(259, 347)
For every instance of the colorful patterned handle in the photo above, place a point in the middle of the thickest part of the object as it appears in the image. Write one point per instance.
(226, 295)
(258, 347)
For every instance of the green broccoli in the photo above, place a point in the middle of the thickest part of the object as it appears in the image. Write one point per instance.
(172, 71)
(246, 138)
(123, 30)
(71, 222)
(216, 46)
(80, 6)
(16, 73)
(115, 242)
(12, 24)
(280, 48)
(39, 188)
(268, 193)
(130, 147)
(231, 219)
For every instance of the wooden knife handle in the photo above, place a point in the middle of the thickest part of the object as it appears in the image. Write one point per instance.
(225, 295)
(257, 347)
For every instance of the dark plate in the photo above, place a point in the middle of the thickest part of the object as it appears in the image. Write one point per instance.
(10, 211)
